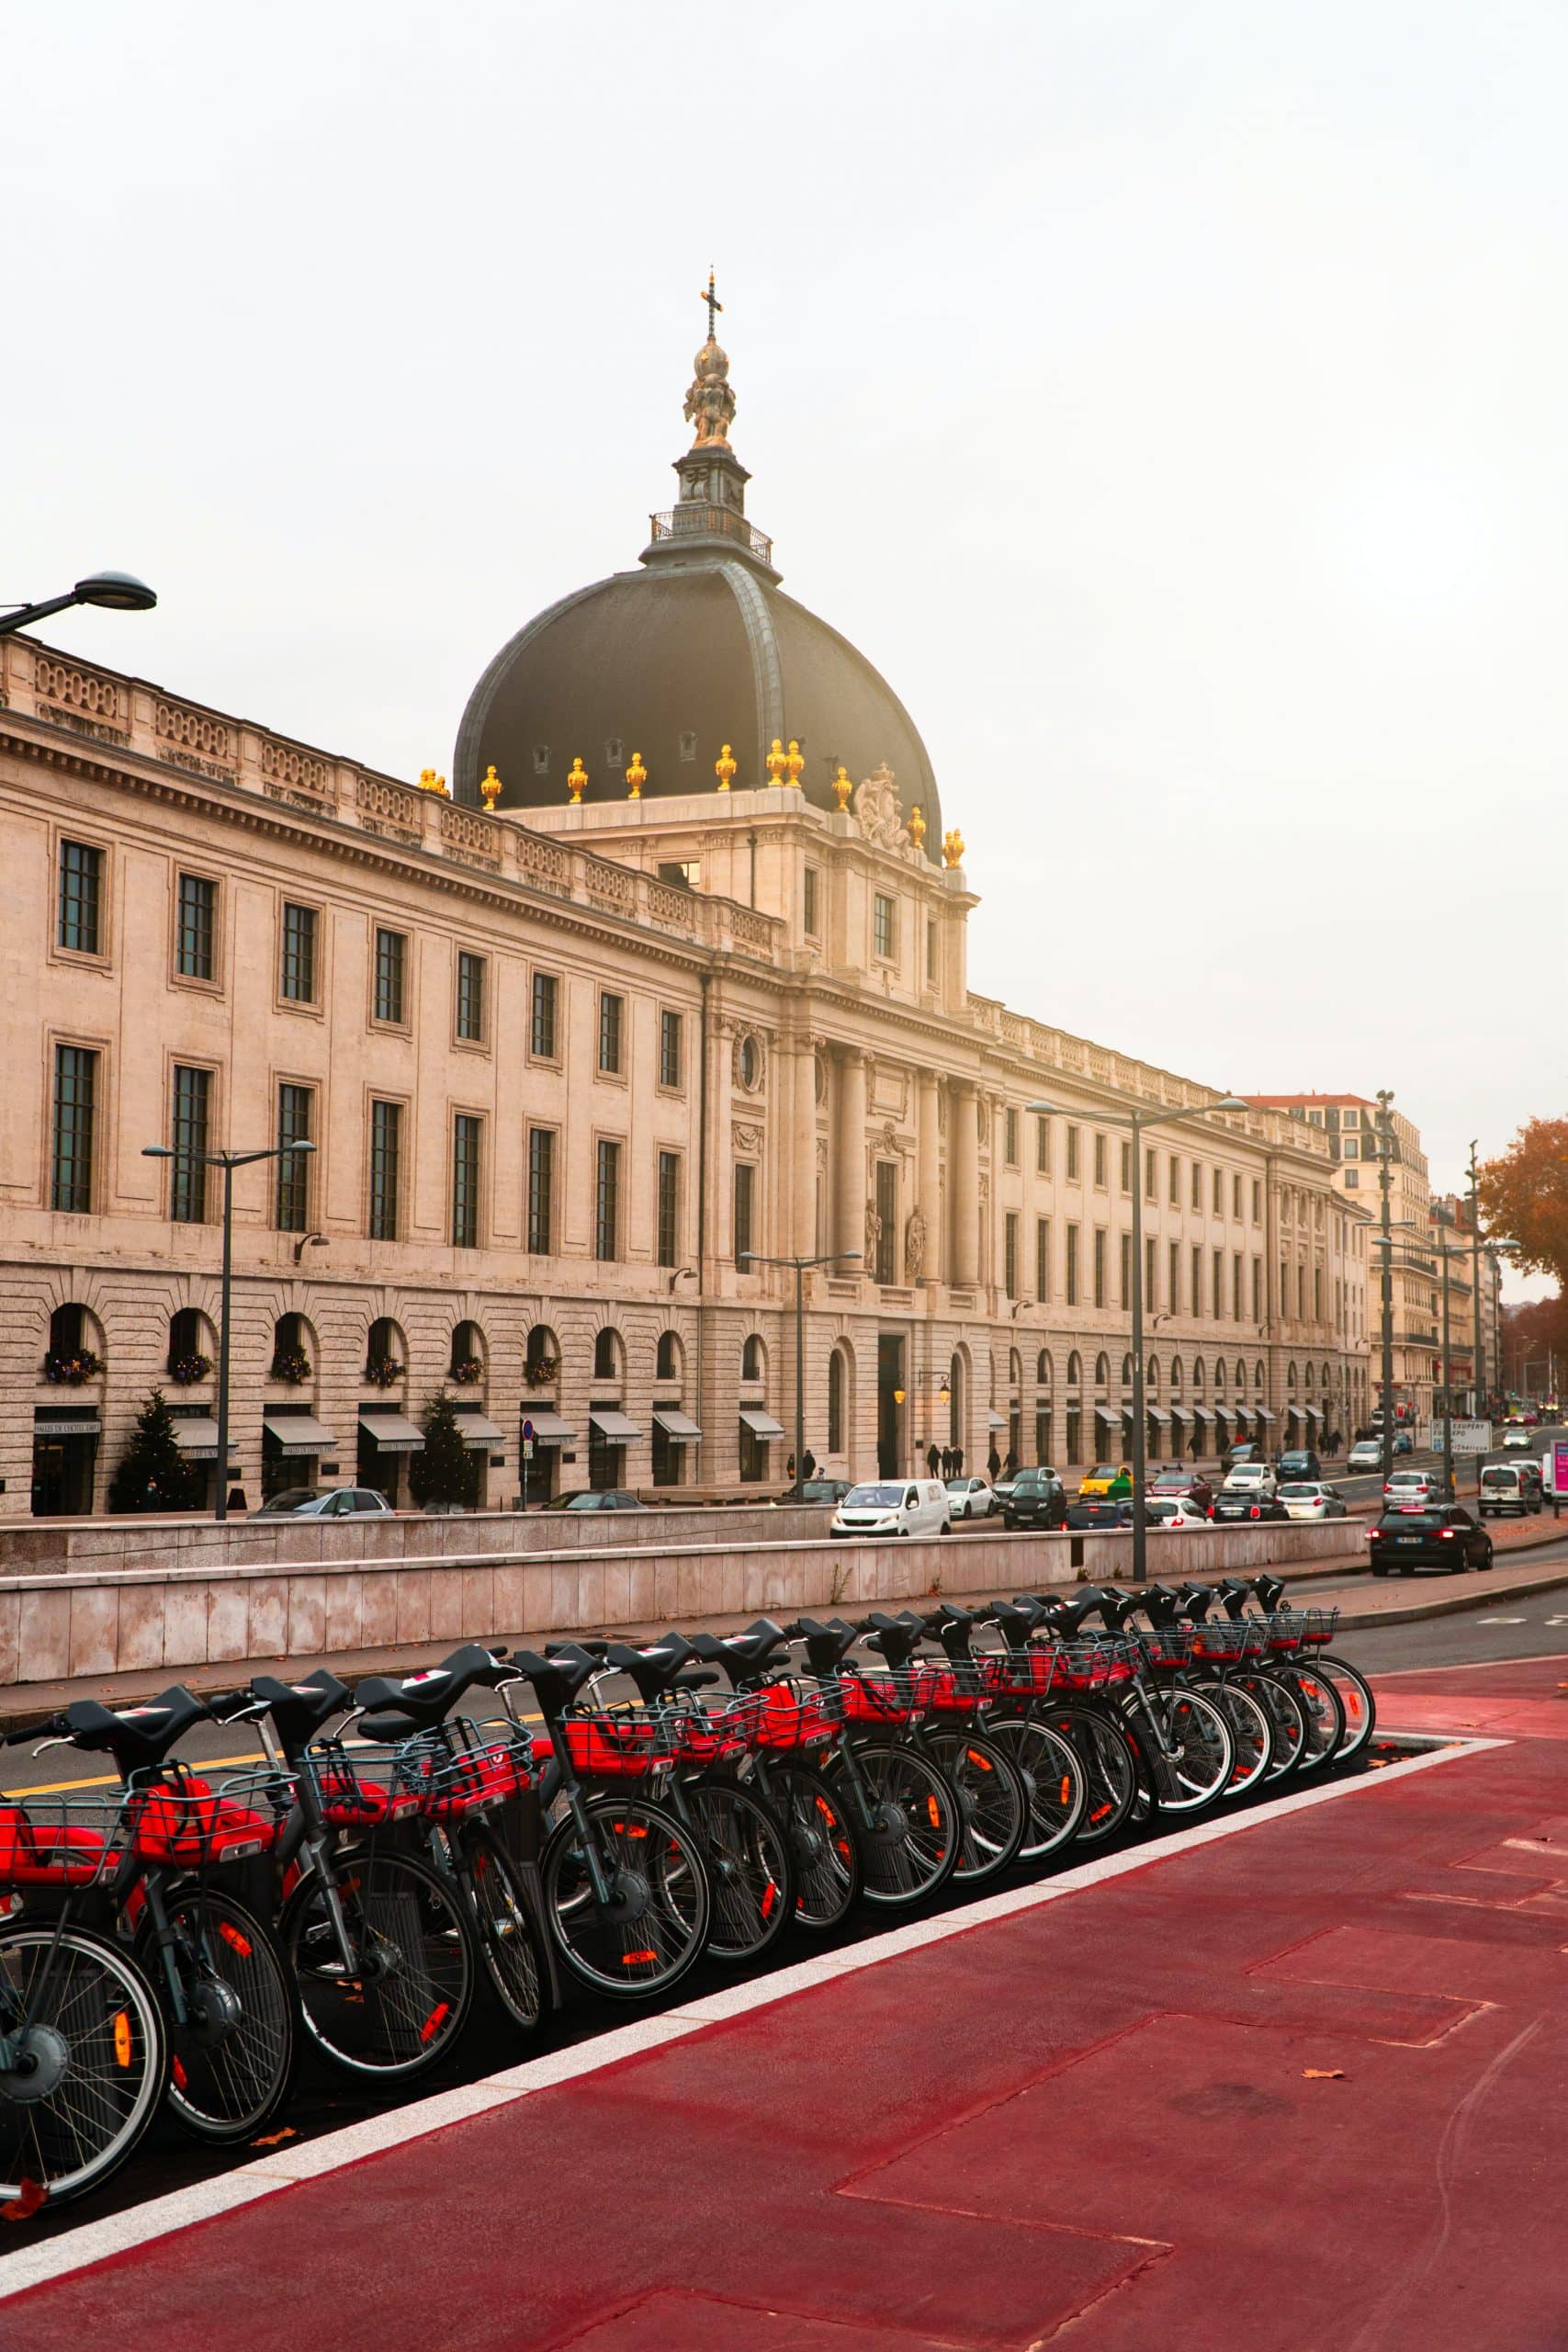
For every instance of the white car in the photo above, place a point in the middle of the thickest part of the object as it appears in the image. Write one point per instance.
(1516, 1440)
(1175, 1513)
(1365, 1454)
(1253, 1478)
(1409, 1486)
(894, 1507)
(972, 1497)
(1310, 1499)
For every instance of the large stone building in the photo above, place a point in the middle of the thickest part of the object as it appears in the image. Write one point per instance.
(692, 996)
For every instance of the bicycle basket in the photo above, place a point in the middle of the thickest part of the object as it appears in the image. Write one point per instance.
(473, 1774)
(1017, 1674)
(618, 1743)
(1315, 1625)
(955, 1689)
(1226, 1639)
(1091, 1665)
(885, 1696)
(184, 1820)
(1282, 1632)
(1165, 1645)
(67, 1840)
(365, 1786)
(799, 1713)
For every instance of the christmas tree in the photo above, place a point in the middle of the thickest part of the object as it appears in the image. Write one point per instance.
(156, 1473)
(444, 1473)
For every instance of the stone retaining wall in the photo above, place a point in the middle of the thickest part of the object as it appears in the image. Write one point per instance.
(186, 1613)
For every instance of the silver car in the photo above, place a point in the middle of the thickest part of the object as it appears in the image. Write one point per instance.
(1310, 1499)
(972, 1497)
(326, 1502)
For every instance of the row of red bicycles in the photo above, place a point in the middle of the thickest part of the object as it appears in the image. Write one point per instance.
(512, 1822)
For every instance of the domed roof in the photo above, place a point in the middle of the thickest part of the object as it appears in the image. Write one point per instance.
(699, 649)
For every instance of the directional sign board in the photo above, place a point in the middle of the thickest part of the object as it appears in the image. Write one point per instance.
(1472, 1437)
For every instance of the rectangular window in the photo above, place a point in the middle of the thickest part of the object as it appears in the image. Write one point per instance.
(1126, 1270)
(465, 1131)
(1126, 1167)
(293, 1183)
(297, 975)
(1100, 1170)
(610, 1011)
(1316, 1291)
(1302, 1295)
(1175, 1181)
(547, 991)
(1197, 1281)
(1284, 1286)
(1257, 1290)
(607, 1204)
(883, 934)
(667, 1219)
(1100, 1265)
(391, 955)
(470, 997)
(809, 916)
(81, 896)
(1219, 1192)
(1197, 1185)
(886, 1269)
(1042, 1258)
(670, 1027)
(1072, 1265)
(196, 940)
(1174, 1300)
(1236, 1198)
(931, 951)
(1072, 1155)
(541, 1190)
(1218, 1302)
(1151, 1184)
(1351, 1147)
(1009, 1137)
(1256, 1200)
(188, 1173)
(1010, 1253)
(75, 1102)
(1239, 1289)
(1041, 1147)
(745, 1190)
(1150, 1296)
(386, 1158)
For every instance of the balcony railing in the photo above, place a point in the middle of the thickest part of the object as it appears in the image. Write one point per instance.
(712, 522)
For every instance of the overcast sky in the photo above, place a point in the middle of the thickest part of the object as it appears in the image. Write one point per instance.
(1170, 399)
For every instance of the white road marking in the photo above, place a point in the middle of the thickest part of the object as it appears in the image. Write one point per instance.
(1499, 1621)
(161, 2216)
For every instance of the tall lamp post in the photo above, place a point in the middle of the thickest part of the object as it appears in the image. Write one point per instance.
(227, 1161)
(1134, 1121)
(115, 592)
(1474, 1175)
(802, 1268)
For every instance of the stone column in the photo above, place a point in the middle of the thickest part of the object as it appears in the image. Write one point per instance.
(848, 1147)
(964, 1160)
(928, 1186)
(803, 1153)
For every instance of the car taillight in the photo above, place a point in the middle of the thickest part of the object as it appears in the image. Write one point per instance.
(1447, 1533)
(1374, 1535)
(1255, 1512)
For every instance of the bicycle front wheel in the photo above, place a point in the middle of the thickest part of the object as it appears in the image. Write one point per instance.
(1055, 1786)
(507, 1938)
(909, 1829)
(1251, 1732)
(750, 1870)
(993, 1800)
(402, 1997)
(231, 2053)
(1356, 1698)
(1193, 1767)
(83, 2040)
(1324, 1712)
(651, 1924)
(828, 1873)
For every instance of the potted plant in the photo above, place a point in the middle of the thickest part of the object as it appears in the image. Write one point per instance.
(71, 1371)
(290, 1365)
(467, 1370)
(185, 1371)
(383, 1371)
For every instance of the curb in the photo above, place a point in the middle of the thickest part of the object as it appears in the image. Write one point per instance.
(1456, 1607)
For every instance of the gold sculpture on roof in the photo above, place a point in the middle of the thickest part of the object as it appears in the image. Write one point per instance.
(795, 761)
(776, 762)
(917, 825)
(637, 776)
(843, 786)
(430, 782)
(577, 781)
(952, 846)
(490, 789)
(724, 768)
(710, 403)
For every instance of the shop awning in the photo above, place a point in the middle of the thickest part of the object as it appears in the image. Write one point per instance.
(996, 1421)
(1203, 1413)
(1237, 1412)
(761, 1424)
(549, 1429)
(1315, 1412)
(1103, 1413)
(477, 1431)
(1260, 1412)
(676, 1424)
(393, 1432)
(74, 1425)
(197, 1434)
(613, 1425)
(1158, 1413)
(293, 1434)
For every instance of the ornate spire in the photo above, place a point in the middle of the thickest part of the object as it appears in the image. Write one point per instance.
(707, 521)
(710, 403)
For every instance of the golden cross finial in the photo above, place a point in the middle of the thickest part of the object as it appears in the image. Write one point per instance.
(776, 762)
(711, 299)
(724, 768)
(637, 776)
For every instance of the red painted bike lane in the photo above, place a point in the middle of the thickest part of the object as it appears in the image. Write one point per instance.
(1296, 2085)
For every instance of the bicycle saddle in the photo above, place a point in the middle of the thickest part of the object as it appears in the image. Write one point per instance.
(1160, 1603)
(135, 1736)
(951, 1627)
(1197, 1599)
(1269, 1590)
(299, 1709)
(659, 1667)
(557, 1680)
(415, 1702)
(1062, 1616)
(897, 1638)
(743, 1658)
(1016, 1620)
(1112, 1606)
(826, 1646)
(1235, 1592)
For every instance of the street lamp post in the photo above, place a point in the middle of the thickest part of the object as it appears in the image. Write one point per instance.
(227, 1161)
(802, 1268)
(1383, 1127)
(1135, 1121)
(115, 592)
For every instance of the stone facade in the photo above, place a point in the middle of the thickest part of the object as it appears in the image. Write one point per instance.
(723, 1052)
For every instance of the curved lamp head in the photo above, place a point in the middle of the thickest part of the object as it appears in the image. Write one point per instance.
(118, 592)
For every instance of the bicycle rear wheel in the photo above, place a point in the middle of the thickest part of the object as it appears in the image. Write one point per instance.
(747, 1855)
(1355, 1697)
(1106, 1758)
(402, 2003)
(993, 1803)
(910, 1841)
(231, 2058)
(1287, 1722)
(654, 1923)
(830, 1876)
(1324, 1712)
(84, 2062)
(504, 1929)
(1252, 1733)
(1198, 1774)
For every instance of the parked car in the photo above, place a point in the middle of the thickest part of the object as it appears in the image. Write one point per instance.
(1252, 1478)
(972, 1497)
(1516, 1438)
(1105, 1478)
(1244, 1450)
(1248, 1502)
(1038, 1499)
(1175, 1513)
(1403, 1441)
(894, 1507)
(1298, 1461)
(326, 1502)
(1440, 1535)
(1509, 1486)
(1190, 1483)
(597, 1499)
(1309, 1498)
(1409, 1486)
(1365, 1454)
(824, 1490)
(1099, 1512)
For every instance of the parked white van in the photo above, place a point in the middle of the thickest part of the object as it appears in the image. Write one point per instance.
(894, 1507)
(1509, 1486)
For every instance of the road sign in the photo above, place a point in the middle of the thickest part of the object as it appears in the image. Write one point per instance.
(528, 1433)
(1472, 1437)
(527, 1449)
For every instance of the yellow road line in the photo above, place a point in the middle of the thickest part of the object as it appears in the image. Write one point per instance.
(111, 1780)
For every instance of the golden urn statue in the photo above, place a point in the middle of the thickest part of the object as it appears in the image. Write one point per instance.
(430, 782)
(795, 761)
(952, 847)
(776, 762)
(724, 768)
(917, 825)
(843, 787)
(490, 789)
(637, 776)
(577, 781)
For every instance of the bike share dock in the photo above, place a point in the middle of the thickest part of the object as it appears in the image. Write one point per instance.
(1287, 2079)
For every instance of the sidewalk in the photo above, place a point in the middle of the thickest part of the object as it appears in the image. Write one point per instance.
(1289, 2082)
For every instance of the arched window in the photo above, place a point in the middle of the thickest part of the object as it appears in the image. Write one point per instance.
(191, 1347)
(1126, 1372)
(1153, 1372)
(1102, 1370)
(1240, 1374)
(1075, 1369)
(667, 1357)
(1015, 1369)
(385, 1353)
(1307, 1377)
(751, 1359)
(1198, 1373)
(1259, 1381)
(1043, 1368)
(291, 1351)
(1291, 1378)
(836, 1401)
(607, 1354)
(468, 1364)
(541, 1358)
(1176, 1375)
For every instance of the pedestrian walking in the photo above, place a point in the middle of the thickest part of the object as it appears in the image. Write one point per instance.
(934, 1459)
(947, 1462)
(1009, 1467)
(958, 1462)
(994, 1464)
(808, 1464)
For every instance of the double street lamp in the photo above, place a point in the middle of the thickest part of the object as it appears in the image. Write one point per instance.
(227, 1161)
(802, 1268)
(114, 592)
(1136, 1123)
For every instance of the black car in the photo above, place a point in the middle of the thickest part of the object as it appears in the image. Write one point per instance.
(1245, 1502)
(1437, 1535)
(1298, 1461)
(1036, 1500)
(1099, 1512)
(825, 1490)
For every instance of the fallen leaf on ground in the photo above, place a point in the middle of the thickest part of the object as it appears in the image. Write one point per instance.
(276, 2139)
(27, 2200)
(1323, 2074)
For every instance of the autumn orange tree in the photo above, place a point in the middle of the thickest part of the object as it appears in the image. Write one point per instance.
(1524, 1196)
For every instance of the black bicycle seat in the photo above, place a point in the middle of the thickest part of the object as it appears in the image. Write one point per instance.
(299, 1709)
(1269, 1590)
(742, 1656)
(1197, 1599)
(424, 1700)
(557, 1680)
(136, 1737)
(893, 1637)
(826, 1646)
(654, 1668)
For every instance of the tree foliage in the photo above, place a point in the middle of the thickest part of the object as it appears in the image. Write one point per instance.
(1524, 1196)
(446, 1471)
(156, 1473)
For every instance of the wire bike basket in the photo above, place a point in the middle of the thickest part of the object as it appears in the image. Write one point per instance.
(68, 1840)
(361, 1787)
(885, 1695)
(182, 1820)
